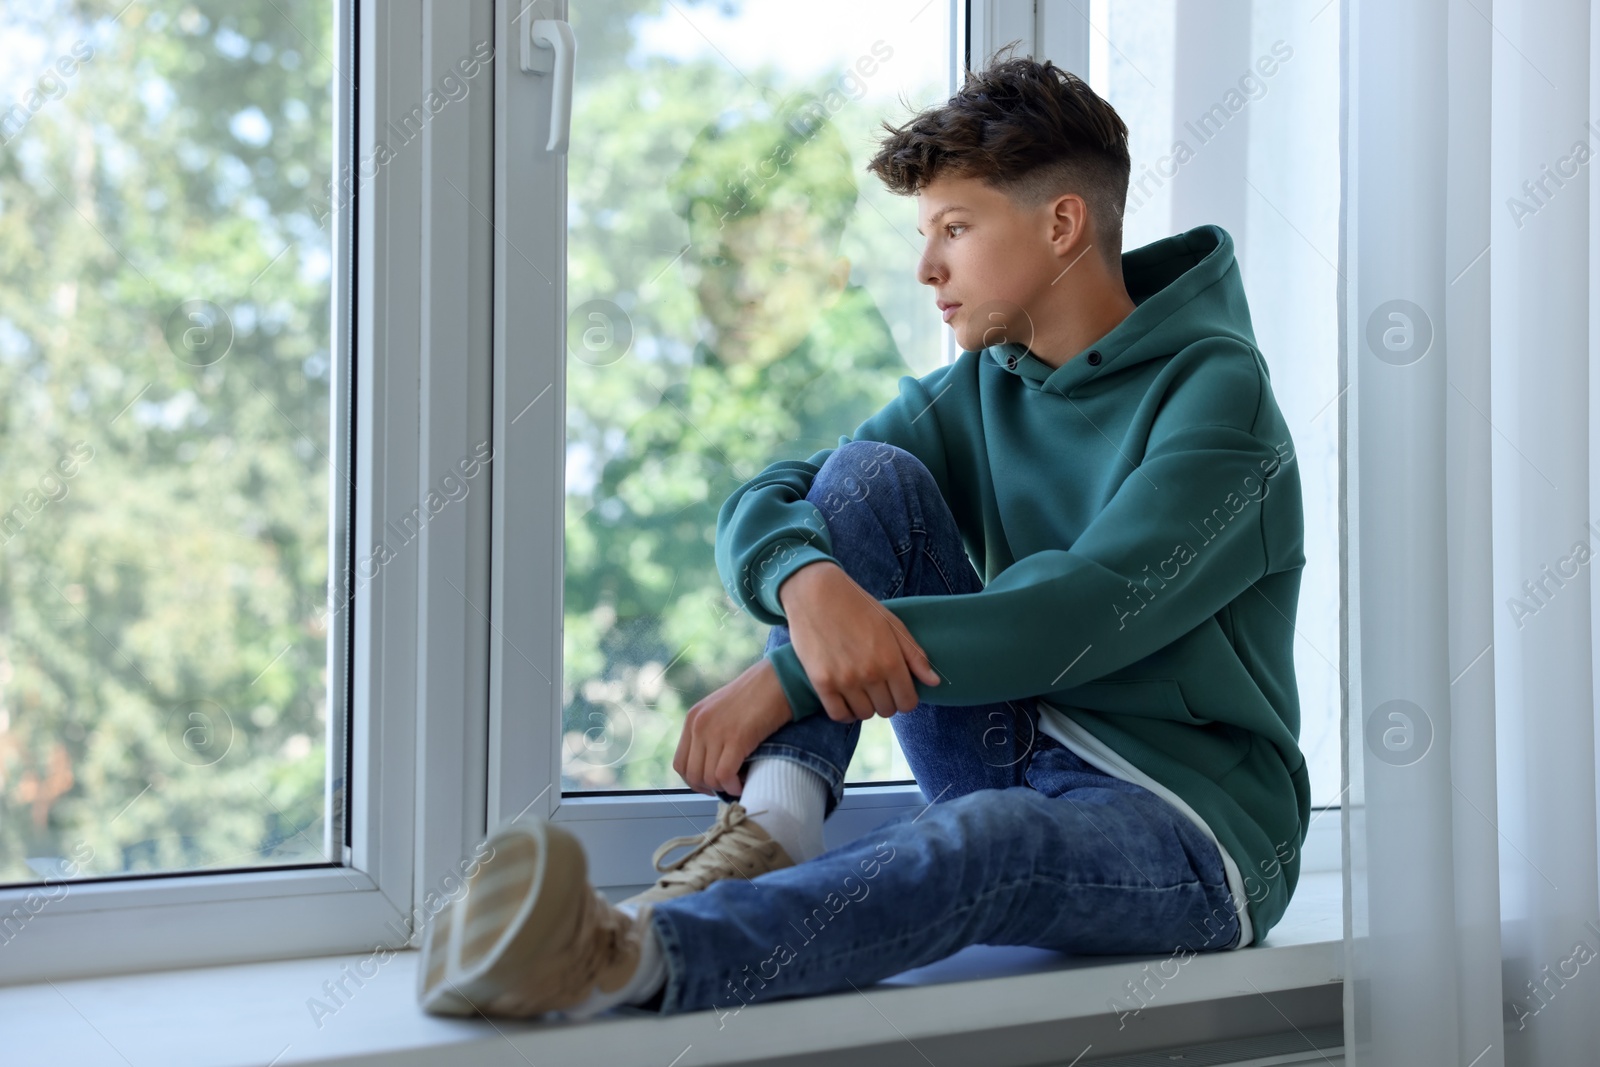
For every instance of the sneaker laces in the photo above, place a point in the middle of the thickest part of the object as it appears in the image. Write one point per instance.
(730, 819)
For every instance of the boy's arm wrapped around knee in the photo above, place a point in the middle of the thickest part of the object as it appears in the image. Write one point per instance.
(1212, 507)
(859, 659)
(767, 528)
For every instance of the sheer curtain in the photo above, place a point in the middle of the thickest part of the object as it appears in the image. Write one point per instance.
(1473, 922)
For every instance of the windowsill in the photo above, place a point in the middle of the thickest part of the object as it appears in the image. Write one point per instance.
(258, 1013)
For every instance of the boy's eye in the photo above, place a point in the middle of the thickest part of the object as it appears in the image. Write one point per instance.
(954, 226)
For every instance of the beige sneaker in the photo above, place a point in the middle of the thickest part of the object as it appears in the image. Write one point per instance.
(530, 935)
(734, 847)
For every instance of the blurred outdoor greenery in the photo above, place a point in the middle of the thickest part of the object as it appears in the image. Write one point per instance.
(165, 383)
(164, 492)
(715, 329)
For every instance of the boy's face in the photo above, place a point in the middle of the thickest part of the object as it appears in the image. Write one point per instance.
(989, 256)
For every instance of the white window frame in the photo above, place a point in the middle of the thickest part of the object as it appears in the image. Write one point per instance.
(417, 656)
(619, 833)
(453, 716)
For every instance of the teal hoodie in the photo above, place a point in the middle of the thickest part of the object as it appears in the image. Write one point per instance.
(1136, 514)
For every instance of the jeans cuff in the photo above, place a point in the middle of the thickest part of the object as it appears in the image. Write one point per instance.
(672, 993)
(824, 767)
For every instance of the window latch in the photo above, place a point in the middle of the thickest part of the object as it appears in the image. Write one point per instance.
(548, 47)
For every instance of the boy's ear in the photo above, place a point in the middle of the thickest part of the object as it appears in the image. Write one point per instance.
(1071, 219)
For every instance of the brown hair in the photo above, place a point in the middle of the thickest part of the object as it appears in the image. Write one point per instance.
(1031, 130)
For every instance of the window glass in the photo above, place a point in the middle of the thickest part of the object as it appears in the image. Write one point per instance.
(166, 259)
(740, 291)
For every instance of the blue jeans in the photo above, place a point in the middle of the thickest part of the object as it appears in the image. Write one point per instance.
(1021, 843)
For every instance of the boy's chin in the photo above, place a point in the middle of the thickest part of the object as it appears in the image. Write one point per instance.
(978, 340)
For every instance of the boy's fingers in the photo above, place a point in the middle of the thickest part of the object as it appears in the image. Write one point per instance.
(917, 658)
(835, 707)
(882, 700)
(728, 771)
(905, 692)
(680, 762)
(860, 704)
(713, 773)
(697, 764)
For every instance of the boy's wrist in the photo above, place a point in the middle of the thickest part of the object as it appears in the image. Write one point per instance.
(792, 591)
(776, 711)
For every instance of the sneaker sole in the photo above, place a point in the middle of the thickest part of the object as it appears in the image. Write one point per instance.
(432, 993)
(495, 946)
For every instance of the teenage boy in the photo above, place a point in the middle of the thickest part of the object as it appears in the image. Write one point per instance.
(1105, 725)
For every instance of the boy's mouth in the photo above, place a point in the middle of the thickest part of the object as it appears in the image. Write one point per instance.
(948, 309)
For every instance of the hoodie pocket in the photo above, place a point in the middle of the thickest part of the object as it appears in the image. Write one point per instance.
(1210, 744)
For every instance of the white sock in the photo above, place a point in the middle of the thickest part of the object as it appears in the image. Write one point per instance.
(787, 801)
(649, 976)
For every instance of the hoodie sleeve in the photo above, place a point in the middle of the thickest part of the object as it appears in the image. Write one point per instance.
(1184, 534)
(767, 529)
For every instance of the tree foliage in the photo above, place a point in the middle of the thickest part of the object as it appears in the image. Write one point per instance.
(162, 653)
(705, 227)
(165, 383)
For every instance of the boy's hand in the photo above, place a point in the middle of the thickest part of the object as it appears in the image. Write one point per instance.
(724, 727)
(857, 653)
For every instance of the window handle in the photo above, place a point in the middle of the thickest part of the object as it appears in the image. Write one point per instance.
(548, 47)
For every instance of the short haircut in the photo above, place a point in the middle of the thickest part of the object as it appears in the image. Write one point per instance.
(1030, 130)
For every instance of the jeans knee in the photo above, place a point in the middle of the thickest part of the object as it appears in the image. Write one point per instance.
(878, 474)
(867, 461)
(868, 456)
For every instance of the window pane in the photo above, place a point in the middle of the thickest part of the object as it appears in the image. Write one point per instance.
(165, 380)
(740, 291)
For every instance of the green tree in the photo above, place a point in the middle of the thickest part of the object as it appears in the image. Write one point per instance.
(763, 351)
(162, 611)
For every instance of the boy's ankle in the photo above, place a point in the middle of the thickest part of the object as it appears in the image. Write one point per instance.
(788, 801)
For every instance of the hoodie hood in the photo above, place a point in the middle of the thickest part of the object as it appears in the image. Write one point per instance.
(1185, 288)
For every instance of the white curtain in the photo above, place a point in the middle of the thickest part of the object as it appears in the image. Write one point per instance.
(1469, 272)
